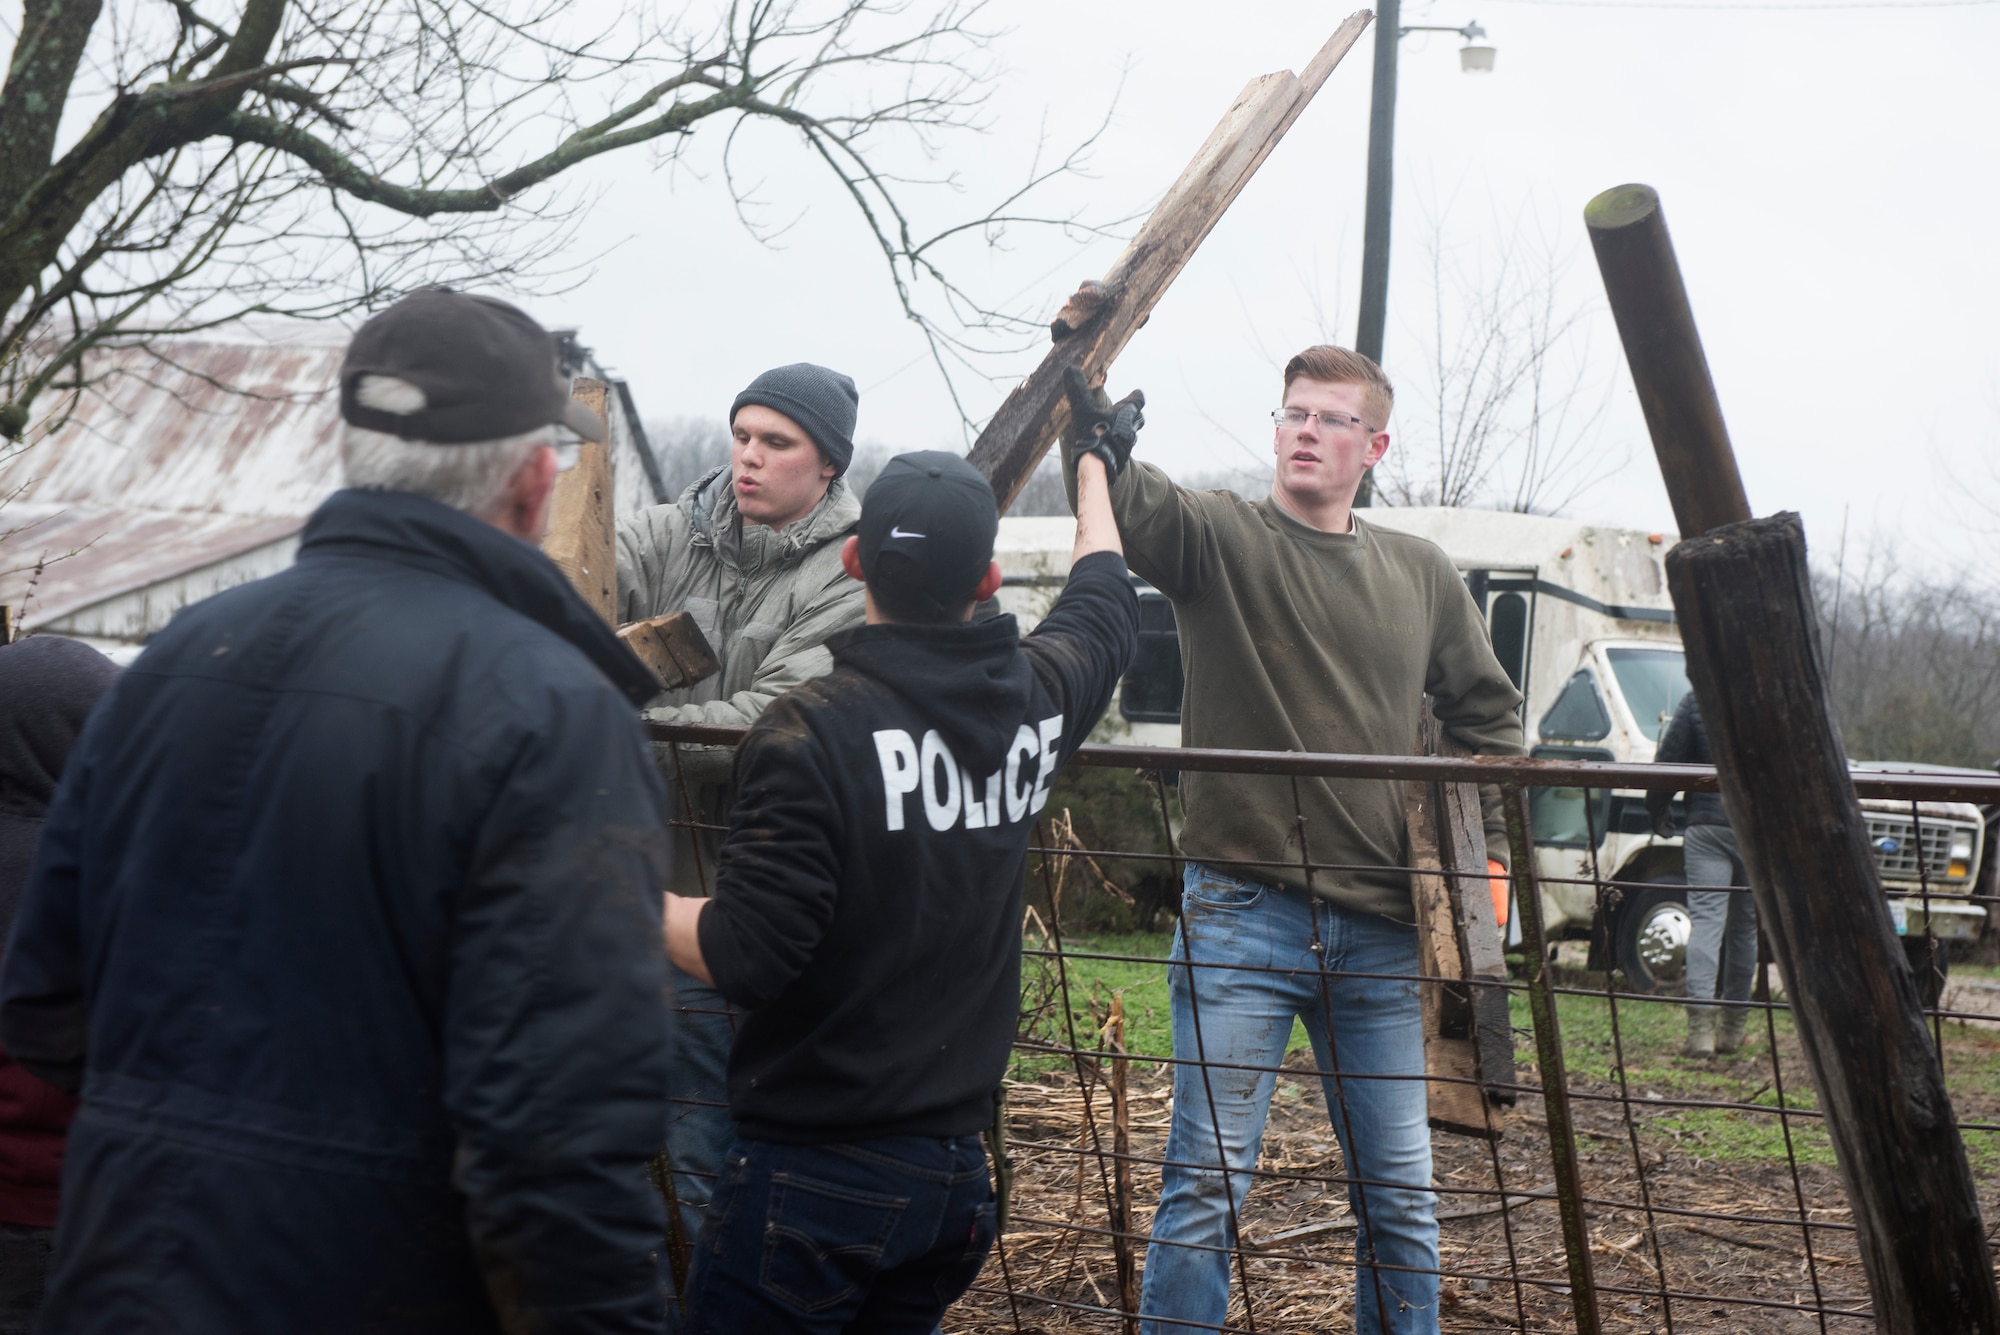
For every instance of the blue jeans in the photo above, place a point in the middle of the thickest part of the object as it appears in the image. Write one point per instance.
(699, 1126)
(1360, 1027)
(869, 1236)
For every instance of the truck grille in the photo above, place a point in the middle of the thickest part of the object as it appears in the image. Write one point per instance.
(1894, 842)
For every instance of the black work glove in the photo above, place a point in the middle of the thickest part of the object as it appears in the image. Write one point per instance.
(1100, 427)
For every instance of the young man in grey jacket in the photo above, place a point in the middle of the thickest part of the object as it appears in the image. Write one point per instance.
(752, 552)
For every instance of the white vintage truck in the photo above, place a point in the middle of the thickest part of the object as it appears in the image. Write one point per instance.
(1581, 620)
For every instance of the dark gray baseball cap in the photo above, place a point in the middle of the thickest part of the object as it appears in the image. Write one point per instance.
(486, 369)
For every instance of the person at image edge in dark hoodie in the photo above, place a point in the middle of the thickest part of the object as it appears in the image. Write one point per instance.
(47, 688)
(867, 913)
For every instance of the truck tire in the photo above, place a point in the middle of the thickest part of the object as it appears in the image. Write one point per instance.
(1930, 970)
(1652, 937)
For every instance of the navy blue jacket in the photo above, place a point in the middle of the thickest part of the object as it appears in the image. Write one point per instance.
(1686, 743)
(346, 917)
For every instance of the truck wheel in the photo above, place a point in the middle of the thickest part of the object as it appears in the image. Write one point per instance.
(1930, 969)
(1652, 935)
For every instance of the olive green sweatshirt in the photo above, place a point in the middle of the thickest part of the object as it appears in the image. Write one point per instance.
(1298, 640)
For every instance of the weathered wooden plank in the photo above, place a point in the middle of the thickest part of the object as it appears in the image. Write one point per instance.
(580, 537)
(673, 647)
(1028, 422)
(1467, 1032)
(1462, 850)
(1451, 1058)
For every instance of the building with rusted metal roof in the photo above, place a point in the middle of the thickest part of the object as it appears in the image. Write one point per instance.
(191, 465)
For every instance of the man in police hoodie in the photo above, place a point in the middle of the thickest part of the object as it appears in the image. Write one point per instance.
(867, 911)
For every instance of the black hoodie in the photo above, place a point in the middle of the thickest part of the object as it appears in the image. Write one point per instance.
(867, 909)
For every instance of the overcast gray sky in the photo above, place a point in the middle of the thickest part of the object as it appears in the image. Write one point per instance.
(1829, 173)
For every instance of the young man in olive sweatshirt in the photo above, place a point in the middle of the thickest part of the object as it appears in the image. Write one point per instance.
(1304, 628)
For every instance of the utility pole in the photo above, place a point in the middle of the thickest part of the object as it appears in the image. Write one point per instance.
(1381, 180)
(1473, 59)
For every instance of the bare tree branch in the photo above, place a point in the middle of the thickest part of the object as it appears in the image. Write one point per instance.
(1509, 407)
(319, 157)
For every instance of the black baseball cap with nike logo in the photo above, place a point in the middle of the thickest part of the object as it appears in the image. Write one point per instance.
(486, 369)
(927, 528)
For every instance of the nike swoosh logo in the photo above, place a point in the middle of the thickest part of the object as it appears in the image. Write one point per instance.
(899, 533)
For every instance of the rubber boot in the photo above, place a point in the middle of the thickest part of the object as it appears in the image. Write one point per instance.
(1701, 1032)
(1729, 1029)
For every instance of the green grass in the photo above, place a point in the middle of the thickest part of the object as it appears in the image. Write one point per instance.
(1091, 985)
(1092, 982)
(1649, 1036)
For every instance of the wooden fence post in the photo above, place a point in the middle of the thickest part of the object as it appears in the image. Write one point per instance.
(1743, 597)
(580, 539)
(1468, 1035)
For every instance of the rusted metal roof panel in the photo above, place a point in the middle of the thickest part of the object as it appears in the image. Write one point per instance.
(94, 554)
(238, 426)
(191, 453)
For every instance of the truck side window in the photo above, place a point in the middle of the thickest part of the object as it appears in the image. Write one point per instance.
(1578, 714)
(1151, 690)
(1510, 635)
(1558, 815)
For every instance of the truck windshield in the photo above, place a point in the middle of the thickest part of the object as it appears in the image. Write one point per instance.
(1653, 680)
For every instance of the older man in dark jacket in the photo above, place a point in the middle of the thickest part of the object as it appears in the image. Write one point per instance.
(346, 917)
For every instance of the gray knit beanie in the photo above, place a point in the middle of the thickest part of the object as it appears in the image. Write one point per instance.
(823, 402)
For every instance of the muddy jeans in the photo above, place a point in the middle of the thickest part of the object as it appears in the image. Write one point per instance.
(1722, 942)
(1361, 1027)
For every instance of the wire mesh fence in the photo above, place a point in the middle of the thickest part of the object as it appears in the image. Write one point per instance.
(1623, 1185)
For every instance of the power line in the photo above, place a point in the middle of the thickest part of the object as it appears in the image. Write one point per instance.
(1763, 5)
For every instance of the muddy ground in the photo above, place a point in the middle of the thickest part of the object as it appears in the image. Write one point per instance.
(1728, 1189)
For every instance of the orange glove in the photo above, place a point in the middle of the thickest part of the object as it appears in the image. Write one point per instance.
(1497, 882)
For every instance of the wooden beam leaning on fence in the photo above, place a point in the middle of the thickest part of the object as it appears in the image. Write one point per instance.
(1743, 598)
(582, 542)
(1468, 1036)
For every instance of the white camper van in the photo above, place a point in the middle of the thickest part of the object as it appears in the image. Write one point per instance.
(1581, 620)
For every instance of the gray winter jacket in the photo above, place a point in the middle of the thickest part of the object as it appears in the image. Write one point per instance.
(765, 599)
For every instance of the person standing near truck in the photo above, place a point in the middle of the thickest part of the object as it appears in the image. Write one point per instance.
(1304, 628)
(751, 551)
(867, 914)
(1722, 940)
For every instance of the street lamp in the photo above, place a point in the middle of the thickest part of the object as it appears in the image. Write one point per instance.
(1475, 57)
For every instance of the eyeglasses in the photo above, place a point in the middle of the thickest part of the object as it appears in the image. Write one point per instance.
(1294, 418)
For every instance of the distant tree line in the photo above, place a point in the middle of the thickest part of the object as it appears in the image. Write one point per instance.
(1914, 664)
